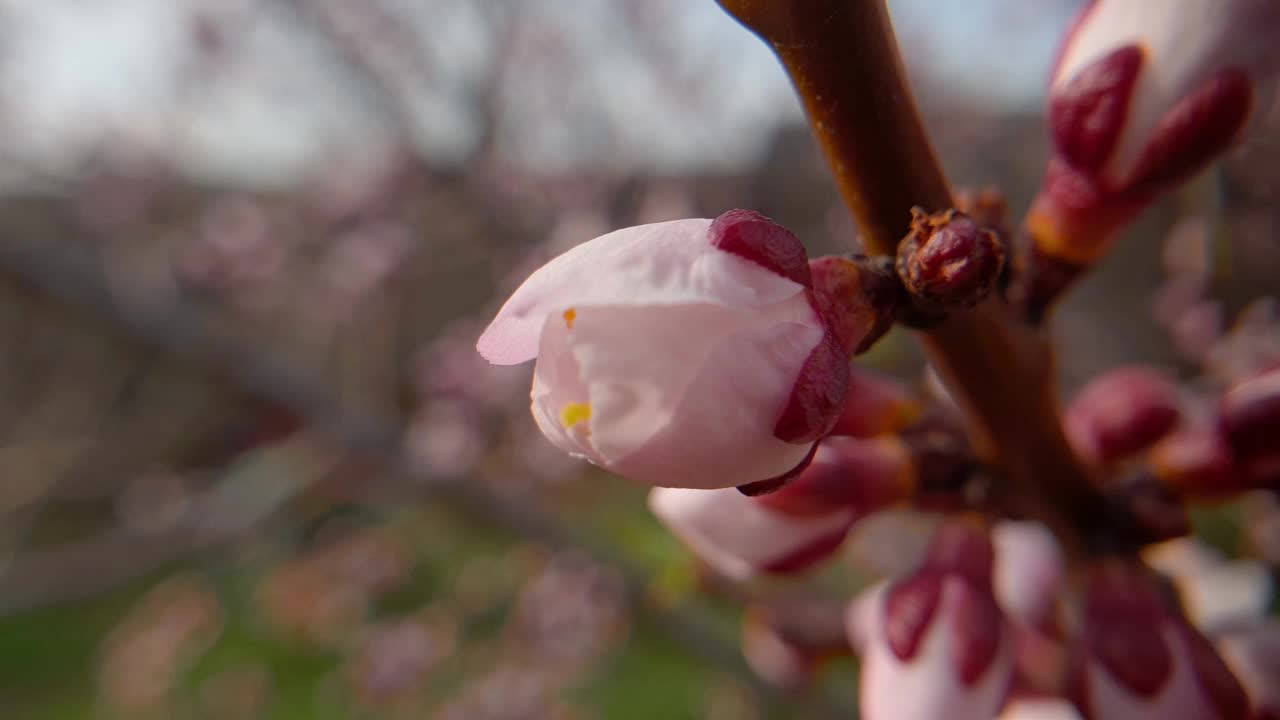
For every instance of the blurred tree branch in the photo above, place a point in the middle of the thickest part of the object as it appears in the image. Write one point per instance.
(68, 274)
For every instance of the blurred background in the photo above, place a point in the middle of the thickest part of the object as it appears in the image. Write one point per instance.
(250, 464)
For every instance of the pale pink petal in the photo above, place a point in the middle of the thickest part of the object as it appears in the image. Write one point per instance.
(1137, 660)
(1029, 571)
(1180, 696)
(689, 396)
(670, 263)
(557, 383)
(1040, 709)
(861, 615)
(1252, 651)
(735, 535)
(929, 685)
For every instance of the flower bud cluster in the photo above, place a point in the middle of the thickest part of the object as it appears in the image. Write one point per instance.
(710, 360)
(1158, 449)
(1142, 96)
(982, 630)
(1233, 449)
(1136, 658)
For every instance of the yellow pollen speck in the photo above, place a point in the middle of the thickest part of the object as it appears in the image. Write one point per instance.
(574, 413)
(569, 315)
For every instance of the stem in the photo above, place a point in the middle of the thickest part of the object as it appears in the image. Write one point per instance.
(843, 59)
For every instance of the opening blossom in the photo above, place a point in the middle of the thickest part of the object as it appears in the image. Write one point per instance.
(690, 353)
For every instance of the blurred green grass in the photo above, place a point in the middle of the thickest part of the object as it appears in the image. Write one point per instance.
(50, 658)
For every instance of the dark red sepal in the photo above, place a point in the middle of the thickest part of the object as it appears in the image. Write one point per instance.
(1087, 115)
(750, 235)
(909, 609)
(1194, 131)
(847, 474)
(1122, 629)
(818, 393)
(977, 628)
(773, 484)
(963, 547)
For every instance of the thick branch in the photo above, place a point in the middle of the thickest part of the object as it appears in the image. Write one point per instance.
(843, 59)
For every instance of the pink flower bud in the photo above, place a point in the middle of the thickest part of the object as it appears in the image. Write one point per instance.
(1143, 95)
(948, 261)
(1029, 572)
(1121, 412)
(1137, 660)
(861, 475)
(690, 353)
(940, 647)
(862, 616)
(738, 536)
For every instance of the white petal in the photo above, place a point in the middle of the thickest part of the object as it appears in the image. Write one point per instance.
(733, 534)
(670, 263)
(689, 396)
(1029, 571)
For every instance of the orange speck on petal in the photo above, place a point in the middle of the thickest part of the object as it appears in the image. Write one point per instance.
(569, 316)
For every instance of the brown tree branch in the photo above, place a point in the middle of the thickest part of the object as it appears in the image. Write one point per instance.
(843, 59)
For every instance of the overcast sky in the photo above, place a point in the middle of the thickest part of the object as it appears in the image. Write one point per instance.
(76, 75)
